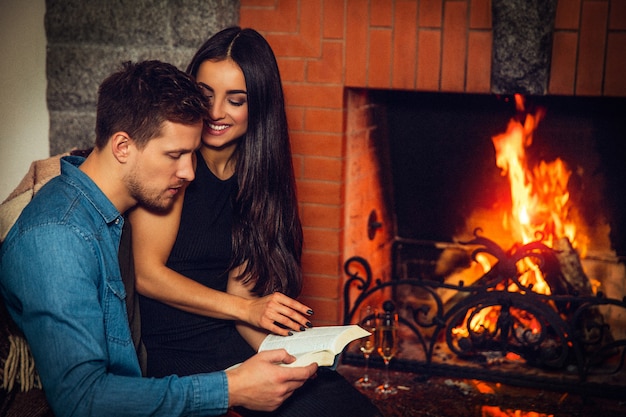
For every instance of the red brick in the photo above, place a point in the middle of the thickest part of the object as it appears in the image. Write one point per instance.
(404, 45)
(310, 27)
(356, 148)
(324, 120)
(617, 16)
(266, 17)
(380, 12)
(358, 118)
(298, 166)
(357, 97)
(454, 46)
(316, 144)
(291, 69)
(591, 48)
(356, 43)
(321, 286)
(327, 311)
(329, 68)
(301, 40)
(321, 240)
(428, 59)
(295, 118)
(313, 95)
(319, 192)
(333, 14)
(479, 62)
(304, 45)
(480, 14)
(324, 263)
(362, 167)
(430, 13)
(614, 81)
(317, 215)
(323, 168)
(563, 67)
(567, 14)
(257, 3)
(379, 68)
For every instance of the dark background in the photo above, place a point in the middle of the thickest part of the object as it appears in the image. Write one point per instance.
(443, 160)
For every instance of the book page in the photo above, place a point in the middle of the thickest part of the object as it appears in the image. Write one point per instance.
(319, 344)
(317, 338)
(323, 358)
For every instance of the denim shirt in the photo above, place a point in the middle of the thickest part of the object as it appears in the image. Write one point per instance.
(60, 278)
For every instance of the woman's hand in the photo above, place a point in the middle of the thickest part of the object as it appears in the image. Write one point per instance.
(276, 313)
(279, 314)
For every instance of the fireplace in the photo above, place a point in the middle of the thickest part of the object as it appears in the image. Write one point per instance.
(447, 197)
(331, 53)
(339, 60)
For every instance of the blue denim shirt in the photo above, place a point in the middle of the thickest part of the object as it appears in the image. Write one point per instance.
(60, 278)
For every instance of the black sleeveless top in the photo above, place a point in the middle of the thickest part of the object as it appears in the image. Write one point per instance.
(180, 343)
(201, 252)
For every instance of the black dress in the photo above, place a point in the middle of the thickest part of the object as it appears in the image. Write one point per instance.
(182, 343)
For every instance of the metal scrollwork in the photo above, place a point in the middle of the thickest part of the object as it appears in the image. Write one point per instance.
(553, 333)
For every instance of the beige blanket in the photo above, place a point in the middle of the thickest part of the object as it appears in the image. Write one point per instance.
(39, 173)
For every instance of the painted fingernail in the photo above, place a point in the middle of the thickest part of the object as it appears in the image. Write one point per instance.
(309, 324)
(302, 328)
(309, 312)
(290, 334)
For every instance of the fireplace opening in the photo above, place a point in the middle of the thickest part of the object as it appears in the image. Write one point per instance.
(443, 161)
(447, 199)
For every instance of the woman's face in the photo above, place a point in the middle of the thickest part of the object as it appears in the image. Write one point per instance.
(223, 82)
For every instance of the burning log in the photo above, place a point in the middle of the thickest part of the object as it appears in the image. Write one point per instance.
(540, 301)
(571, 268)
(594, 333)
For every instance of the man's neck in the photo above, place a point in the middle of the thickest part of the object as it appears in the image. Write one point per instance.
(106, 173)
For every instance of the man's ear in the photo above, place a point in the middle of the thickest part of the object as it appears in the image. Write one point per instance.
(121, 143)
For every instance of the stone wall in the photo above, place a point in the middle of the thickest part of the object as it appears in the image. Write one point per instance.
(522, 46)
(87, 40)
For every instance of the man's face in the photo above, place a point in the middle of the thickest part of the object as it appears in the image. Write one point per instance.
(159, 170)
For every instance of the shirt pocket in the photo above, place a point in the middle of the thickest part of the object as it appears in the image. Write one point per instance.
(115, 316)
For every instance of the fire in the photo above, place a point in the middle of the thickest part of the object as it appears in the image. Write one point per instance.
(539, 195)
(540, 210)
(492, 411)
(540, 202)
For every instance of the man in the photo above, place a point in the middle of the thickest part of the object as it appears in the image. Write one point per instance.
(59, 269)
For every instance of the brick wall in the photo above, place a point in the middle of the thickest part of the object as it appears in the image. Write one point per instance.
(588, 48)
(327, 47)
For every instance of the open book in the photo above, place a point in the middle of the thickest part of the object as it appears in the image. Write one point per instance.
(319, 344)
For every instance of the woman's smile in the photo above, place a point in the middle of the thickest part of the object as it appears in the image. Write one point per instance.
(224, 85)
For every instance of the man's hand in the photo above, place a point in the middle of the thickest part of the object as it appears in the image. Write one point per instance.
(260, 383)
(266, 312)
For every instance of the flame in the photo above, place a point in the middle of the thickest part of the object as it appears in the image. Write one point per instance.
(493, 411)
(540, 202)
(540, 198)
(540, 210)
(489, 388)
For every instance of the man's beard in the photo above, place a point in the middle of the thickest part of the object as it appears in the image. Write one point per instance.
(150, 199)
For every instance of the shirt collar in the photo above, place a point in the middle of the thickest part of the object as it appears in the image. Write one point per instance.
(69, 168)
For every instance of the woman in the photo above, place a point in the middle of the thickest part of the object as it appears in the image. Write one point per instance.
(220, 270)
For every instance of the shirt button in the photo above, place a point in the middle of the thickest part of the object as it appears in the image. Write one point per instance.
(117, 221)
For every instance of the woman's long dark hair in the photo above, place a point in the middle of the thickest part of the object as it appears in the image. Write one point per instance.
(267, 234)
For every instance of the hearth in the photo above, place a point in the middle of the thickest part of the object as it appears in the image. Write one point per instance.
(448, 199)
(557, 342)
